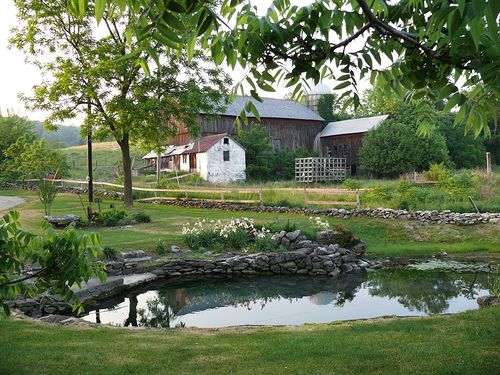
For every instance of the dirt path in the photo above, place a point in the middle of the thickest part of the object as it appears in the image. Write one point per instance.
(9, 202)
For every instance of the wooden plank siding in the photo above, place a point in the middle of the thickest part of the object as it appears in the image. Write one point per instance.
(343, 146)
(285, 133)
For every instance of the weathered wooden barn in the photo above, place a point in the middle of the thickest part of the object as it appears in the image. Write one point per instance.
(217, 158)
(343, 139)
(290, 124)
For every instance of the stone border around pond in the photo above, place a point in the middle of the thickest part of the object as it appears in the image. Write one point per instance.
(304, 258)
(426, 217)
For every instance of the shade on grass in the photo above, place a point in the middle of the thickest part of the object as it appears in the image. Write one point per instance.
(466, 343)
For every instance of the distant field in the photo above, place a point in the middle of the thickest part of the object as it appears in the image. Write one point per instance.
(107, 160)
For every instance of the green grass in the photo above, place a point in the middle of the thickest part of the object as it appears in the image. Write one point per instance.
(466, 343)
(385, 237)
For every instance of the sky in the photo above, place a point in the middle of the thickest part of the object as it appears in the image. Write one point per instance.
(17, 77)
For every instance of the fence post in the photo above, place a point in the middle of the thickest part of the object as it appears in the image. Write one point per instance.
(261, 203)
(305, 196)
(488, 164)
(222, 196)
(358, 201)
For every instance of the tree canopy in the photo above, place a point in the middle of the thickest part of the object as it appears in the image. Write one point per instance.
(439, 49)
(133, 100)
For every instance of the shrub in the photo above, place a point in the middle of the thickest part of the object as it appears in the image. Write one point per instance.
(141, 217)
(351, 184)
(47, 193)
(238, 239)
(109, 252)
(112, 217)
(265, 244)
(277, 226)
(345, 237)
(160, 247)
(394, 148)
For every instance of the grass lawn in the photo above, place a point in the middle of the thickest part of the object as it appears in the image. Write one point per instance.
(384, 237)
(466, 343)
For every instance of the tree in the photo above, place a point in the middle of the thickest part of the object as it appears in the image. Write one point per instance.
(64, 259)
(32, 160)
(257, 144)
(92, 73)
(430, 45)
(465, 150)
(331, 109)
(394, 147)
(13, 127)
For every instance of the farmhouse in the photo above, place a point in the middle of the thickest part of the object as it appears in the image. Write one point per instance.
(289, 124)
(343, 139)
(216, 158)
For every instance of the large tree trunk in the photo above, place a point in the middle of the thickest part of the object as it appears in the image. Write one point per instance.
(127, 170)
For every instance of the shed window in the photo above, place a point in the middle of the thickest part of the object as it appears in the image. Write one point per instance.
(225, 155)
(226, 141)
(184, 158)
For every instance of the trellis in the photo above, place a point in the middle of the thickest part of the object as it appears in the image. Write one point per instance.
(320, 169)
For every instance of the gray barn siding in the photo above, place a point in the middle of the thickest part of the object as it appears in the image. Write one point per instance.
(343, 146)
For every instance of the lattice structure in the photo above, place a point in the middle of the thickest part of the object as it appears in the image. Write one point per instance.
(320, 169)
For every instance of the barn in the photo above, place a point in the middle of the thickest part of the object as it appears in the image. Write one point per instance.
(290, 125)
(216, 158)
(343, 139)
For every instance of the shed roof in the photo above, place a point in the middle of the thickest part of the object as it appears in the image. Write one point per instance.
(273, 108)
(201, 145)
(357, 125)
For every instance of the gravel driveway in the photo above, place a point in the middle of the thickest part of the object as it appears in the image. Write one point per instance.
(9, 202)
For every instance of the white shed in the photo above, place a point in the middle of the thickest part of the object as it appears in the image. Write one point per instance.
(217, 158)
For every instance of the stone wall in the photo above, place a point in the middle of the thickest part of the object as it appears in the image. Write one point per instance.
(428, 217)
(64, 189)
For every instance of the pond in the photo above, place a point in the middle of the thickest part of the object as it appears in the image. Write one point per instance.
(293, 300)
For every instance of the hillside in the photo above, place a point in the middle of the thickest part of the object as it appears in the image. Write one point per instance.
(107, 160)
(64, 136)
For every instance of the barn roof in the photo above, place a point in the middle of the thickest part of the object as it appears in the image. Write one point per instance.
(273, 108)
(201, 145)
(356, 125)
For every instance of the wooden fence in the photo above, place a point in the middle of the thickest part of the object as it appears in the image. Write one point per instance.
(320, 169)
(222, 193)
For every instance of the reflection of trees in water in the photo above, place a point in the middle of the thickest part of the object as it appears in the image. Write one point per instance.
(424, 291)
(199, 295)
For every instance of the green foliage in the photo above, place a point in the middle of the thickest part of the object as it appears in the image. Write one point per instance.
(169, 180)
(264, 163)
(331, 109)
(27, 159)
(47, 193)
(112, 218)
(266, 244)
(278, 225)
(160, 247)
(141, 217)
(344, 236)
(64, 258)
(439, 173)
(12, 128)
(394, 147)
(351, 184)
(109, 252)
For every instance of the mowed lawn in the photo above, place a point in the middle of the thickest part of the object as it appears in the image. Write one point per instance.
(466, 343)
(385, 237)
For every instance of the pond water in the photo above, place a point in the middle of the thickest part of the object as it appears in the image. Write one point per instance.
(293, 300)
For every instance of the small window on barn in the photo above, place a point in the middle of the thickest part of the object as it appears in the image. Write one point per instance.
(328, 151)
(226, 141)
(225, 155)
(184, 158)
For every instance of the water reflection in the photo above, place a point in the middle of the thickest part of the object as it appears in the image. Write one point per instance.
(217, 302)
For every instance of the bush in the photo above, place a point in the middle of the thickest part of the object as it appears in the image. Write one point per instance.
(109, 252)
(438, 172)
(345, 237)
(266, 244)
(351, 184)
(394, 148)
(277, 226)
(141, 217)
(161, 247)
(112, 218)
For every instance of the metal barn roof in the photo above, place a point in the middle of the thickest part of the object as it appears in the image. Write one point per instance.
(273, 108)
(357, 125)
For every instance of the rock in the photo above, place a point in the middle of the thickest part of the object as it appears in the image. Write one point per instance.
(360, 248)
(285, 242)
(207, 253)
(63, 220)
(175, 249)
(326, 237)
(335, 273)
(484, 301)
(133, 254)
(292, 236)
(289, 265)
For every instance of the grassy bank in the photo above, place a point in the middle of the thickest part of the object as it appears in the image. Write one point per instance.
(466, 343)
(384, 237)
